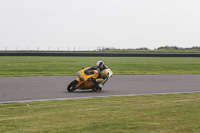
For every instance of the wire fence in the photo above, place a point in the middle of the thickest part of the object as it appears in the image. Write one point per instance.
(6, 48)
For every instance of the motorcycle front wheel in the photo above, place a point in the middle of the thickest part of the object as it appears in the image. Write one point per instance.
(72, 86)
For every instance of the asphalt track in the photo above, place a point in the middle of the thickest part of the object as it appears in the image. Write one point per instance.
(25, 89)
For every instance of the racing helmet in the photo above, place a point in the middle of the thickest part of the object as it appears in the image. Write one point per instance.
(100, 65)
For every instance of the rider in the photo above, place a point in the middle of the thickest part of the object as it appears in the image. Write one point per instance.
(103, 74)
(101, 69)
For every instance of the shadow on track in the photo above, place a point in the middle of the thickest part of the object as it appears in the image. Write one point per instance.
(86, 91)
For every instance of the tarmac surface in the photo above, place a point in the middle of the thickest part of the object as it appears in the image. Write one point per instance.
(25, 89)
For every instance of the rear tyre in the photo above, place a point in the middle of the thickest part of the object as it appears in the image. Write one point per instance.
(100, 88)
(72, 86)
(97, 89)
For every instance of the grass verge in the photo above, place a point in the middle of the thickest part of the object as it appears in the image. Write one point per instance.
(46, 66)
(145, 113)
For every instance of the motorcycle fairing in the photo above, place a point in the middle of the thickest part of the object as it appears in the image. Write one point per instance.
(83, 82)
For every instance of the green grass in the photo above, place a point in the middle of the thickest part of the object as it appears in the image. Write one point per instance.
(146, 113)
(46, 66)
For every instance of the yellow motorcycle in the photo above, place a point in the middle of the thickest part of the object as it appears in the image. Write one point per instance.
(83, 82)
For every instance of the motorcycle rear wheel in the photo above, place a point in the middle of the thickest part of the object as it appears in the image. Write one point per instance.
(72, 86)
(97, 89)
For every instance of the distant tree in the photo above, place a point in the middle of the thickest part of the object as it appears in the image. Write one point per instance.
(178, 48)
(168, 48)
(143, 48)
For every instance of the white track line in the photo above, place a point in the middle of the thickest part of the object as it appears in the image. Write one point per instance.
(7, 102)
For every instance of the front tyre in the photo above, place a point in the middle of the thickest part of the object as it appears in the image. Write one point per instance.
(72, 86)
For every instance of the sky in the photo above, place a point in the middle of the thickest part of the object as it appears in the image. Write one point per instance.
(88, 24)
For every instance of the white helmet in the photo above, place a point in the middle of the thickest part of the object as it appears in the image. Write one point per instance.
(100, 65)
